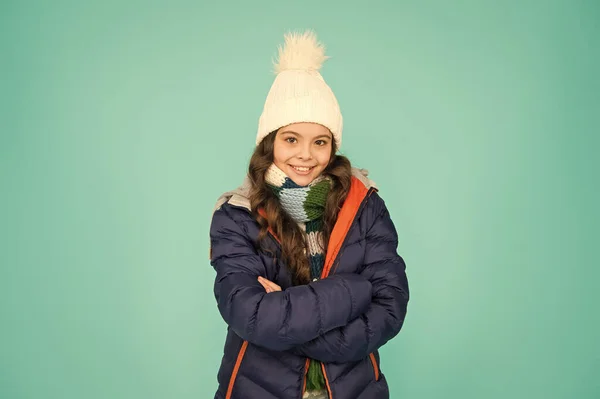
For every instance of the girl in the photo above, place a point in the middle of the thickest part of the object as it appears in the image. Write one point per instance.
(308, 278)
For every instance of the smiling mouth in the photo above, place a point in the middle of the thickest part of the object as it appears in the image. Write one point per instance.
(302, 169)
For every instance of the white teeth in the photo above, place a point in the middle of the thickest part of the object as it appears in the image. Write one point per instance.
(301, 169)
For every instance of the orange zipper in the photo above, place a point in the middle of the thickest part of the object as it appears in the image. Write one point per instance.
(326, 381)
(236, 368)
(305, 373)
(375, 368)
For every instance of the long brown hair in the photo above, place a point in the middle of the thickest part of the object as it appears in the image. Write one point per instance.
(293, 241)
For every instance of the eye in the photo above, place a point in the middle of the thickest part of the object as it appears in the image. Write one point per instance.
(321, 142)
(290, 138)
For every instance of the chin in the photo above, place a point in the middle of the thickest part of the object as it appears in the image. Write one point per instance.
(300, 179)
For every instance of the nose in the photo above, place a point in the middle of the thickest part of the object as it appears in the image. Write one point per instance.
(305, 152)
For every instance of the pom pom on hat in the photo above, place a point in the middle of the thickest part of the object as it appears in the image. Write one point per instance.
(301, 51)
(299, 92)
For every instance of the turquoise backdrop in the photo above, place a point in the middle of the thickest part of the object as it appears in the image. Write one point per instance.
(122, 121)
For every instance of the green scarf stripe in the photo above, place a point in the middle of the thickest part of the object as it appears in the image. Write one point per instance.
(314, 225)
(315, 199)
(315, 380)
(276, 190)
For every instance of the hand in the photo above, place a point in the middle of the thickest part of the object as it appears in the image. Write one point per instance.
(269, 285)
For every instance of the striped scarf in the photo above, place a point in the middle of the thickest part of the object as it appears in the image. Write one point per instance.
(306, 205)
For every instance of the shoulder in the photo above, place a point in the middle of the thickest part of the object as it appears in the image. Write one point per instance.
(375, 206)
(375, 210)
(231, 218)
(374, 201)
(232, 210)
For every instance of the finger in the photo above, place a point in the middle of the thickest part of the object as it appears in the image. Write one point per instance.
(267, 288)
(274, 286)
(268, 284)
(263, 283)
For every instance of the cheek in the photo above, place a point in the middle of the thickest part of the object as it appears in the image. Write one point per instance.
(279, 154)
(324, 157)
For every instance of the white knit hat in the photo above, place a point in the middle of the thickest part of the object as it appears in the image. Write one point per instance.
(299, 92)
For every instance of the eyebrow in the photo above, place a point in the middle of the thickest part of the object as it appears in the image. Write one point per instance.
(327, 136)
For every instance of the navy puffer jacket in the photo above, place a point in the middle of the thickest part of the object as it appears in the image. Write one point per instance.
(341, 320)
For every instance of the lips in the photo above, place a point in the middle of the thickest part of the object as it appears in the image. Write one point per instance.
(302, 170)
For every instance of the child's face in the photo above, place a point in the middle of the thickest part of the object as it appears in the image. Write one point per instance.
(302, 151)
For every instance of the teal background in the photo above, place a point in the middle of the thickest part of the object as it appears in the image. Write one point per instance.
(121, 123)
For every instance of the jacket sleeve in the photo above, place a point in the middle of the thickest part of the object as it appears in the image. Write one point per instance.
(277, 320)
(383, 319)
